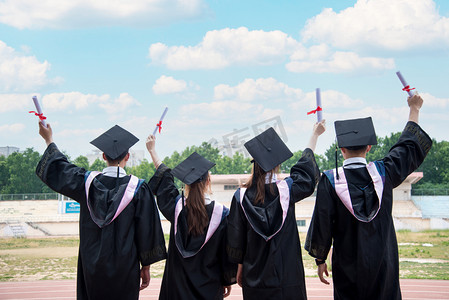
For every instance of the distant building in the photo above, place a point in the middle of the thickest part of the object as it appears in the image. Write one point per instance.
(135, 158)
(7, 151)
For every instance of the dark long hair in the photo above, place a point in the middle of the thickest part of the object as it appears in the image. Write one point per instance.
(197, 217)
(258, 179)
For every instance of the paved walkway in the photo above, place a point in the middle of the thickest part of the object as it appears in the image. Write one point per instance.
(412, 289)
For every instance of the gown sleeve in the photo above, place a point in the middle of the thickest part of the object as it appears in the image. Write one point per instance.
(319, 236)
(163, 186)
(229, 269)
(236, 237)
(407, 154)
(149, 236)
(60, 175)
(305, 175)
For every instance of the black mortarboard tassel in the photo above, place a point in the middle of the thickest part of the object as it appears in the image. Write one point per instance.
(268, 150)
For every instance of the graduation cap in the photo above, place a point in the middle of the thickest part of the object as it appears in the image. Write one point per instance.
(115, 142)
(268, 150)
(194, 168)
(355, 132)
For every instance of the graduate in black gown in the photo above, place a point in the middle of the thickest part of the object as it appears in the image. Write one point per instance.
(120, 229)
(262, 232)
(197, 266)
(353, 209)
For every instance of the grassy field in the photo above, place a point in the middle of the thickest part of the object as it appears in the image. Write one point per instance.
(423, 255)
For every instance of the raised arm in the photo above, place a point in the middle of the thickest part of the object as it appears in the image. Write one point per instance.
(318, 129)
(415, 102)
(412, 147)
(151, 147)
(162, 183)
(46, 133)
(57, 172)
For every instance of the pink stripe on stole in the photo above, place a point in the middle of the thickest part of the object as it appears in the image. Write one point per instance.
(284, 199)
(87, 184)
(214, 222)
(342, 189)
(126, 199)
(127, 196)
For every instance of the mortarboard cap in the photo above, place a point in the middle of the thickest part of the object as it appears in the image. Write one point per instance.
(355, 132)
(192, 169)
(268, 150)
(115, 142)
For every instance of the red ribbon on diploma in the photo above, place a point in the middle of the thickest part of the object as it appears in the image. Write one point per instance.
(315, 110)
(41, 116)
(159, 125)
(407, 88)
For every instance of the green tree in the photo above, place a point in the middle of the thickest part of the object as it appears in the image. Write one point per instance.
(4, 173)
(289, 163)
(238, 164)
(436, 165)
(98, 165)
(82, 162)
(144, 171)
(22, 176)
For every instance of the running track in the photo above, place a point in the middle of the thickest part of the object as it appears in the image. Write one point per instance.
(412, 289)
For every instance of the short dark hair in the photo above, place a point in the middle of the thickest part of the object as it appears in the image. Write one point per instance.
(117, 160)
(356, 148)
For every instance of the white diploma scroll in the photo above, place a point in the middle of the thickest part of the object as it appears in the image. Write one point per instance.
(319, 111)
(39, 110)
(159, 124)
(405, 84)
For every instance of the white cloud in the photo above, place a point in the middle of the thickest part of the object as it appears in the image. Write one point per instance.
(71, 101)
(222, 48)
(226, 47)
(19, 72)
(75, 101)
(387, 24)
(321, 59)
(432, 101)
(329, 99)
(257, 89)
(169, 85)
(33, 14)
(9, 129)
(120, 104)
(16, 102)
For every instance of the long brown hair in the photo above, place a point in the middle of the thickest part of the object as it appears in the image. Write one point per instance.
(258, 179)
(197, 217)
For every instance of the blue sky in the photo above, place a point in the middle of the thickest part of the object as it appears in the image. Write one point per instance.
(219, 66)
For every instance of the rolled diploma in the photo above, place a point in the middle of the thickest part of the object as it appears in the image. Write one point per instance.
(39, 110)
(319, 113)
(162, 118)
(404, 83)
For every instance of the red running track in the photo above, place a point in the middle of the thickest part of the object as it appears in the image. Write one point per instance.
(412, 289)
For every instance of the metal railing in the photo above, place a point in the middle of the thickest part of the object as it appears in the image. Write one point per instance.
(430, 192)
(35, 196)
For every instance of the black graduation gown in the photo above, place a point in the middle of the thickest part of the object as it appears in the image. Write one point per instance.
(365, 263)
(272, 262)
(109, 254)
(191, 272)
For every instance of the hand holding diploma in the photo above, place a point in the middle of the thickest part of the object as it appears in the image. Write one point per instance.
(405, 84)
(159, 124)
(39, 111)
